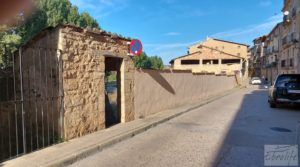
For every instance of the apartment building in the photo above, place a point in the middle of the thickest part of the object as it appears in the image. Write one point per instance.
(279, 51)
(255, 59)
(289, 60)
(270, 59)
(214, 56)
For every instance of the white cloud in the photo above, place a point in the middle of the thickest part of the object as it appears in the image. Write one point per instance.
(172, 34)
(252, 30)
(265, 3)
(160, 47)
(100, 8)
(168, 50)
(245, 35)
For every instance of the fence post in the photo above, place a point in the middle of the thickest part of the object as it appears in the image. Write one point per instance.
(22, 103)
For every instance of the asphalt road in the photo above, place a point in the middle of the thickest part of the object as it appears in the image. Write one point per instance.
(231, 131)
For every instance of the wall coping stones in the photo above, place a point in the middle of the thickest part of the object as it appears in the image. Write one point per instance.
(180, 71)
(95, 31)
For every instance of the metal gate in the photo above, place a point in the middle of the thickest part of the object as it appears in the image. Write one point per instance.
(31, 102)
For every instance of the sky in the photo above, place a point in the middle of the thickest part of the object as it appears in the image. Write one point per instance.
(167, 27)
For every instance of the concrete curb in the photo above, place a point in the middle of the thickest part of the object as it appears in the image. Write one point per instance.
(90, 150)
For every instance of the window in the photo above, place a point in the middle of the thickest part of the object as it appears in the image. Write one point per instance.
(204, 62)
(210, 61)
(282, 63)
(291, 63)
(231, 61)
(294, 12)
(287, 79)
(215, 61)
(239, 47)
(239, 54)
(190, 62)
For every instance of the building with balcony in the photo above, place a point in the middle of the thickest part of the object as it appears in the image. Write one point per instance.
(289, 59)
(273, 45)
(257, 52)
(279, 51)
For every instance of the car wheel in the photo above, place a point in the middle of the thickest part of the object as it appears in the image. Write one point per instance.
(272, 105)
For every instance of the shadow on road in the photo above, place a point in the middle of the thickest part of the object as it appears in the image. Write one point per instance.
(251, 129)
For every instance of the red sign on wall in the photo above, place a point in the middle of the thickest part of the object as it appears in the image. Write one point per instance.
(136, 47)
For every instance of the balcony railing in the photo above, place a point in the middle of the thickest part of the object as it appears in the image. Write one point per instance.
(294, 12)
(284, 40)
(290, 39)
(286, 19)
(294, 37)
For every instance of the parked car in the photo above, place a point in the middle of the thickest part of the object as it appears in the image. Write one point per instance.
(286, 89)
(255, 81)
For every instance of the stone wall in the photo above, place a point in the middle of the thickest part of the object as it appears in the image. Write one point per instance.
(83, 56)
(155, 91)
(63, 84)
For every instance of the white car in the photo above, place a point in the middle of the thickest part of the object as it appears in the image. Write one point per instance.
(256, 81)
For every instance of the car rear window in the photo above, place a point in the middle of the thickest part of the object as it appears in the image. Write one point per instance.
(284, 79)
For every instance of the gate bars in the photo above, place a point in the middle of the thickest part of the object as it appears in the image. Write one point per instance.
(31, 103)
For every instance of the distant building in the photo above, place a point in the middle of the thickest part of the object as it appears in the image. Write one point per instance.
(257, 53)
(214, 56)
(273, 46)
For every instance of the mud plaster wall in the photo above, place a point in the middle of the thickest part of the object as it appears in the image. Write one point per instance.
(156, 91)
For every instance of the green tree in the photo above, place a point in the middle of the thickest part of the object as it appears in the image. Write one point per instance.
(57, 11)
(143, 61)
(73, 16)
(85, 20)
(46, 13)
(156, 62)
(32, 25)
(9, 41)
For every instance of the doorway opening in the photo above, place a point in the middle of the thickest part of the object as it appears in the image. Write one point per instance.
(112, 91)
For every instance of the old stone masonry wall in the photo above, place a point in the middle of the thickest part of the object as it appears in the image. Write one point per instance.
(83, 56)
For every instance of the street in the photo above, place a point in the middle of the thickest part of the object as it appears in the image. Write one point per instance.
(231, 131)
(179, 84)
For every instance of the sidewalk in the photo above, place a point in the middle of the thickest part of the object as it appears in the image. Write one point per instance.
(71, 151)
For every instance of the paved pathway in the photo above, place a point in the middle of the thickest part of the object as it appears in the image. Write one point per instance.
(231, 131)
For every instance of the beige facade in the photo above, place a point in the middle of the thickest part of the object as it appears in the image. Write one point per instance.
(289, 60)
(255, 59)
(272, 53)
(214, 56)
(279, 50)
